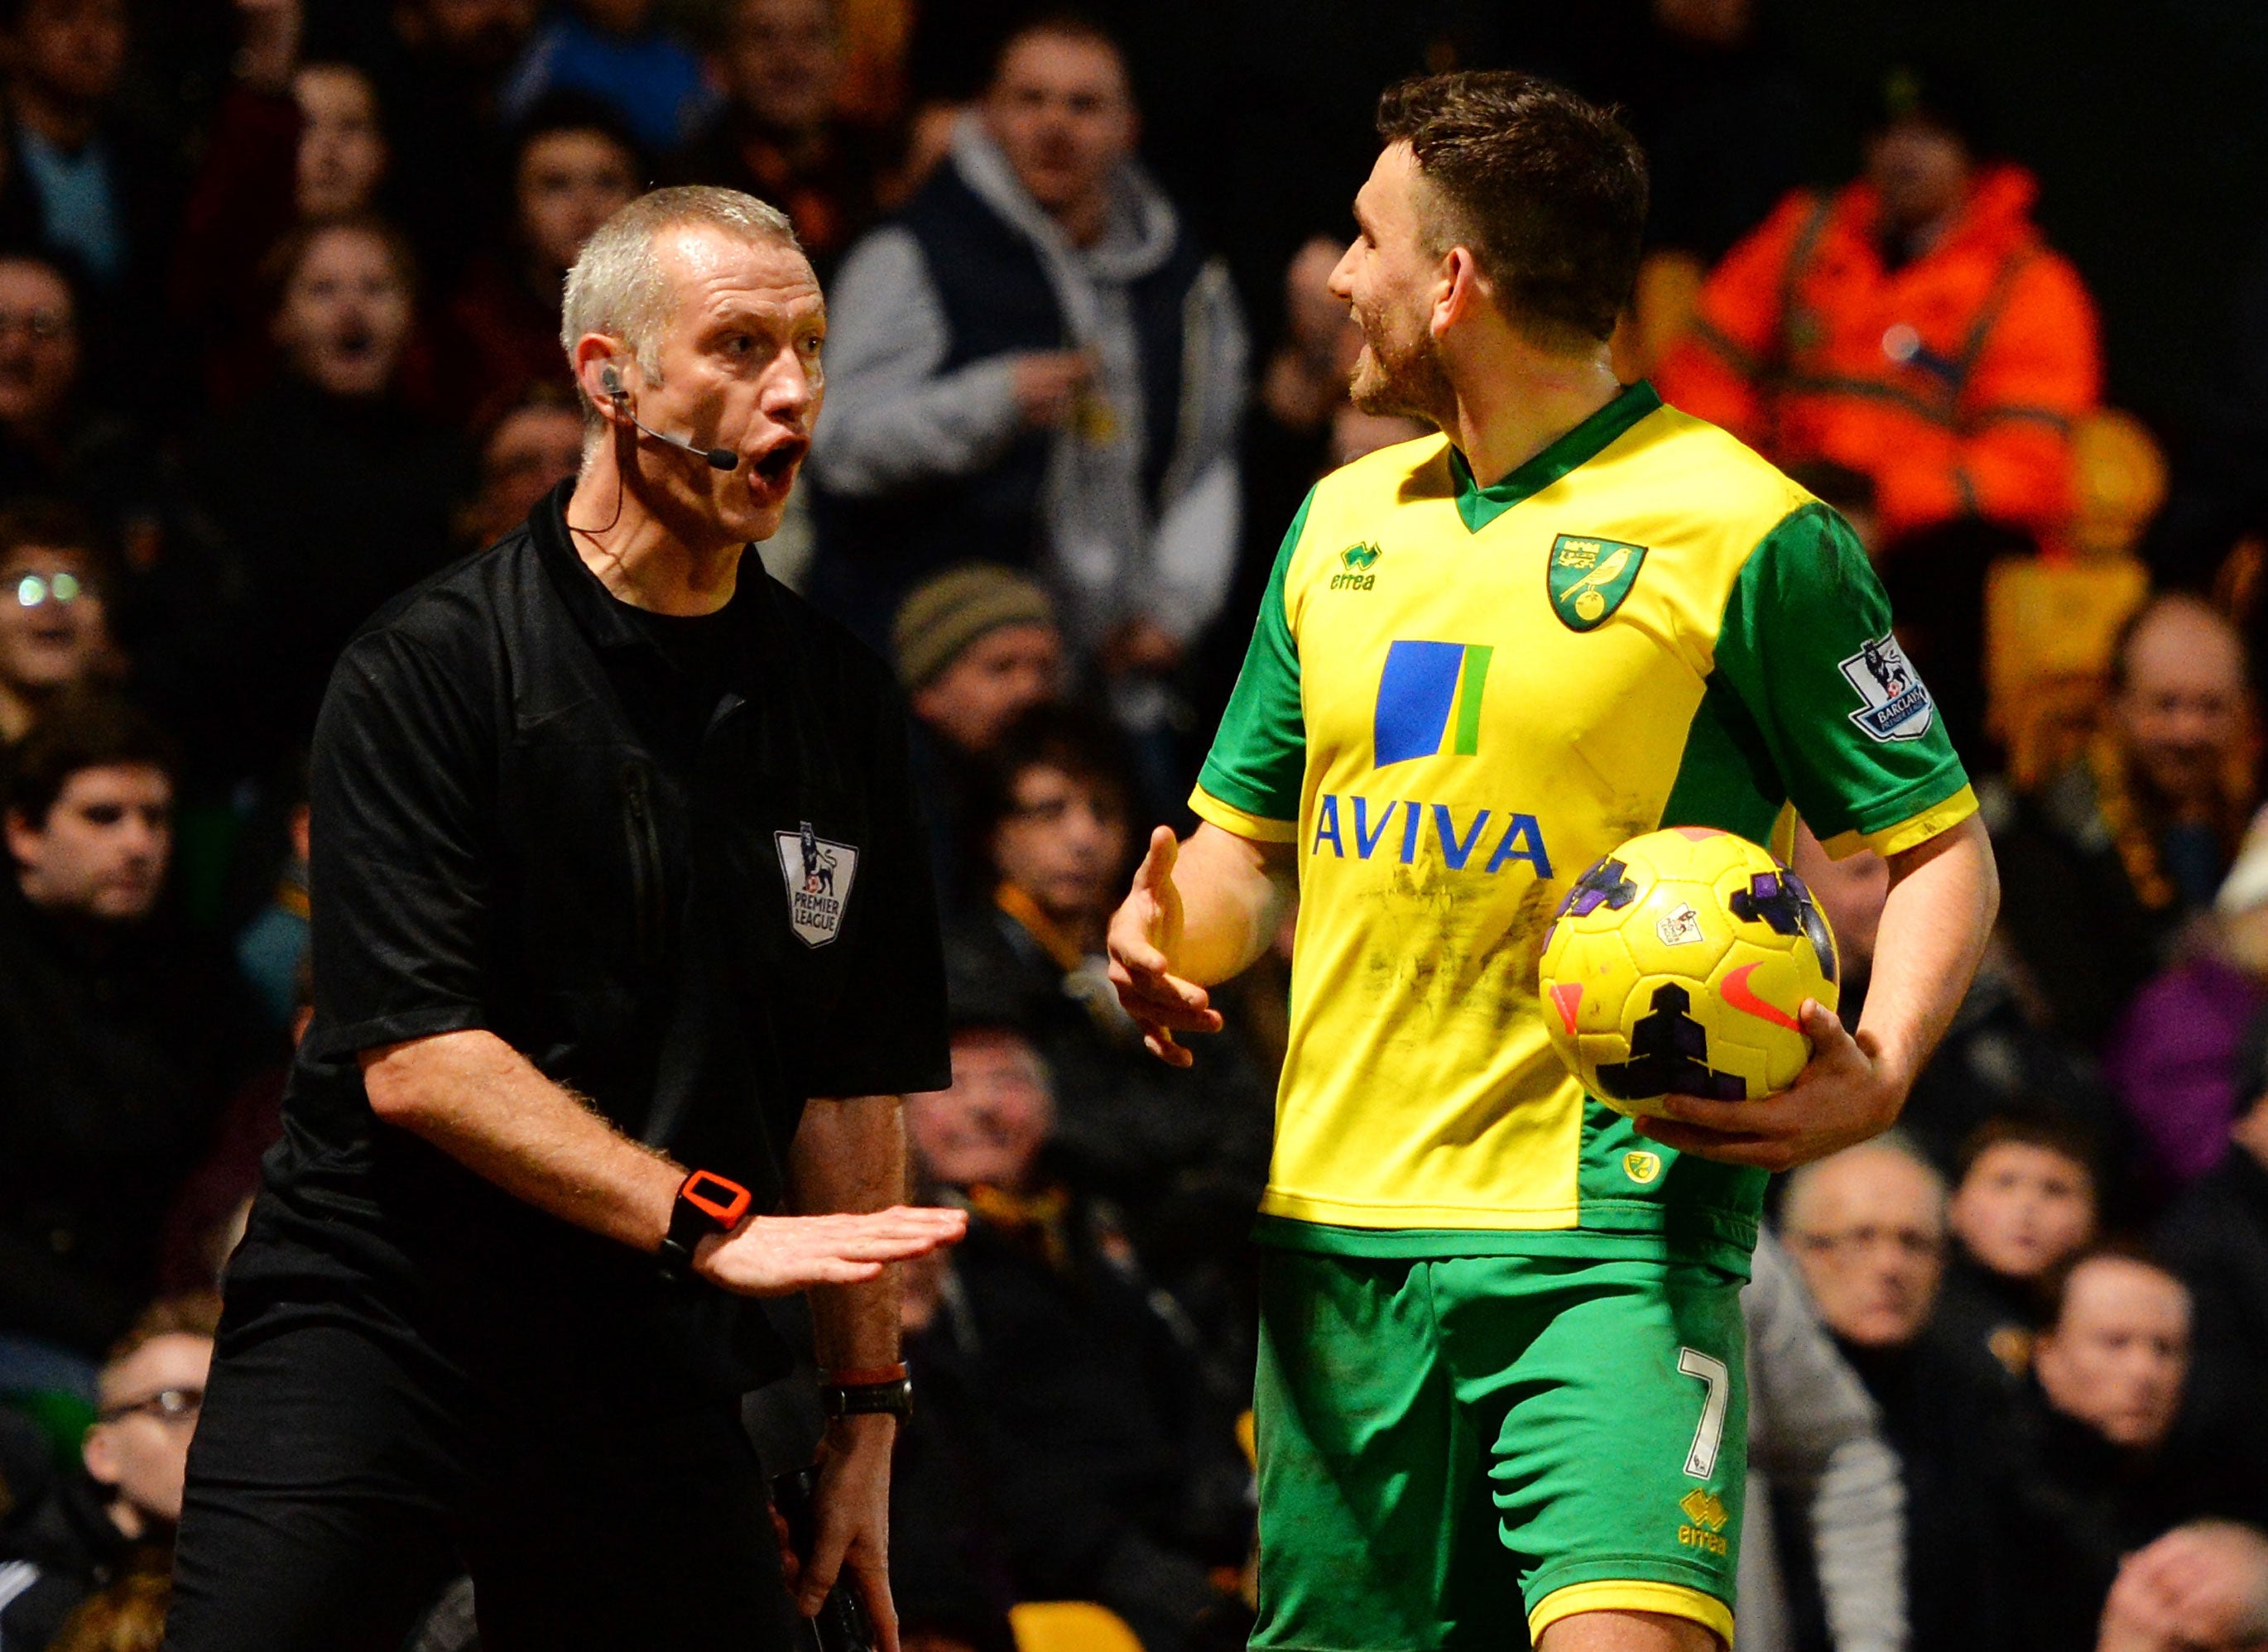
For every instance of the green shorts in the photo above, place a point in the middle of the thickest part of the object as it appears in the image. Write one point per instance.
(1446, 1444)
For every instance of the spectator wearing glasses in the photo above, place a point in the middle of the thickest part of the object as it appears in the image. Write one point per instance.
(54, 444)
(1111, 1470)
(55, 635)
(1867, 1229)
(115, 1518)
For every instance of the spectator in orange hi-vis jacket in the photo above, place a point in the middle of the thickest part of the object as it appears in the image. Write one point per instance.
(1912, 325)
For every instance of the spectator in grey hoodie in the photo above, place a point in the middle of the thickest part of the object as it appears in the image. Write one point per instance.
(1815, 1439)
(1033, 364)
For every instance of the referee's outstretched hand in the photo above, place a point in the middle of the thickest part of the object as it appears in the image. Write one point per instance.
(777, 1255)
(1145, 942)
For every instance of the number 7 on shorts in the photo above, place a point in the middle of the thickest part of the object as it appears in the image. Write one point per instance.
(1701, 1461)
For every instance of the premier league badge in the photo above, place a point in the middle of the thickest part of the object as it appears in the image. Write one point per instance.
(1892, 703)
(818, 874)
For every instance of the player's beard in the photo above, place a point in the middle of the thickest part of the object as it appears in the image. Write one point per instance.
(1394, 375)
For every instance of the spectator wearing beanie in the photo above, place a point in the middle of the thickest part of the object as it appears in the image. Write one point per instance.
(976, 647)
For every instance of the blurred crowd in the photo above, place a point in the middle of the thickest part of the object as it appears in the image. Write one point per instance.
(276, 345)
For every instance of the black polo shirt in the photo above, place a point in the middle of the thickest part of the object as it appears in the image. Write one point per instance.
(676, 868)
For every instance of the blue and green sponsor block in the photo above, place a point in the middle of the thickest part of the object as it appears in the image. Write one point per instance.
(1429, 704)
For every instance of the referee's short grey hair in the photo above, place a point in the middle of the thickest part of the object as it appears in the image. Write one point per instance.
(616, 286)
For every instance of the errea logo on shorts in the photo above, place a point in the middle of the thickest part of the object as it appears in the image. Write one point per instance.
(1705, 1519)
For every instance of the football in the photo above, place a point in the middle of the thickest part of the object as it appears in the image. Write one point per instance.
(1677, 964)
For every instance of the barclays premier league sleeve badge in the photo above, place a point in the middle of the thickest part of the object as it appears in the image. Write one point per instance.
(1892, 703)
(818, 874)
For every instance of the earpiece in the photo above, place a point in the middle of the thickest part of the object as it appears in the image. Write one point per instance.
(715, 458)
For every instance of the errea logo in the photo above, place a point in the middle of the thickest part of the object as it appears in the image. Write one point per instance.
(1705, 1519)
(1355, 565)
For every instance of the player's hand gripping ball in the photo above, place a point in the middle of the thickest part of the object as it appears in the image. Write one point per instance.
(1677, 964)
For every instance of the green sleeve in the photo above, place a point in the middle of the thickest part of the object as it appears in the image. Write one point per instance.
(1805, 645)
(1259, 758)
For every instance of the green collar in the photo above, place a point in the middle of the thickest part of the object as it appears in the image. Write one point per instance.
(1479, 506)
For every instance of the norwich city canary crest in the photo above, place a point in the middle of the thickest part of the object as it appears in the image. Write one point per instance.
(1590, 577)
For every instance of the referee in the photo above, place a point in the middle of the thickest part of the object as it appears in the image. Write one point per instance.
(625, 944)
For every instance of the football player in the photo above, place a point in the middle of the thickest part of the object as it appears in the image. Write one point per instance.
(1500, 1359)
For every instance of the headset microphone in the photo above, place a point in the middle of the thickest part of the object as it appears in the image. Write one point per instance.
(716, 458)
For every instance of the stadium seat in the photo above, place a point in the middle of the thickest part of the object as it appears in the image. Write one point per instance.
(2050, 623)
(2117, 482)
(1070, 1625)
(2049, 630)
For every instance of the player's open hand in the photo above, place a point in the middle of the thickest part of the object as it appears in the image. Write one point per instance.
(1146, 939)
(777, 1255)
(1844, 1094)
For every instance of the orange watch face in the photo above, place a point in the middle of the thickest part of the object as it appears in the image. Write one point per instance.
(727, 1202)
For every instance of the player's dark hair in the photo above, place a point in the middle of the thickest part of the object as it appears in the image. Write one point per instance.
(90, 729)
(2059, 1136)
(1547, 190)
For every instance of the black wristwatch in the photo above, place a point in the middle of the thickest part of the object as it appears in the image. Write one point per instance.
(706, 1203)
(885, 1392)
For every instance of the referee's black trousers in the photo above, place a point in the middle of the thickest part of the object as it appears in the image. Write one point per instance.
(343, 1473)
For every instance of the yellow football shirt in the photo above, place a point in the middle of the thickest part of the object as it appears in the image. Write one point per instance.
(1455, 700)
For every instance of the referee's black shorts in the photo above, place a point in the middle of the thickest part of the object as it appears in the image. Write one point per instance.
(343, 1473)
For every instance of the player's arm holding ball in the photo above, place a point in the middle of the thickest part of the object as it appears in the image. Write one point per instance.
(1944, 894)
(1200, 912)
(1808, 626)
